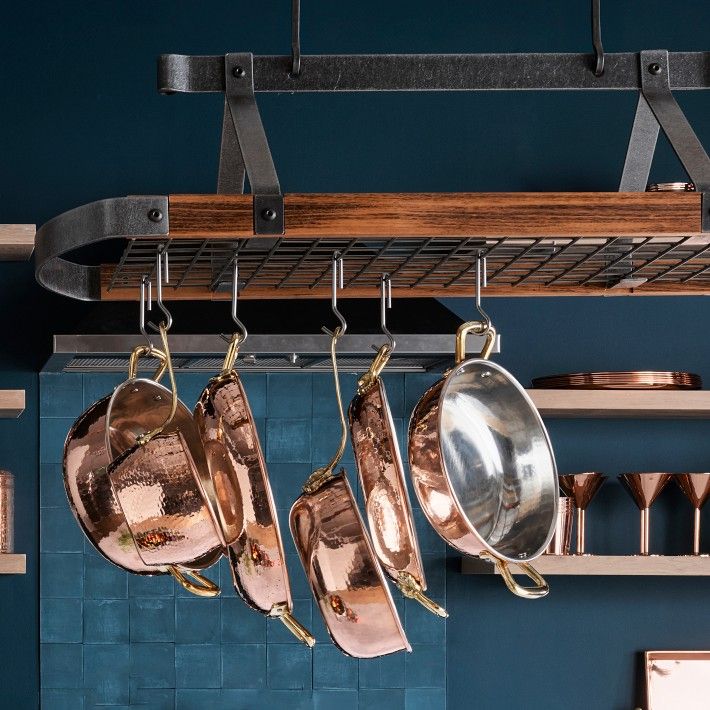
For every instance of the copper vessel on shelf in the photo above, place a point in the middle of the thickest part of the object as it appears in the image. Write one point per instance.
(696, 487)
(625, 380)
(644, 488)
(581, 489)
(562, 537)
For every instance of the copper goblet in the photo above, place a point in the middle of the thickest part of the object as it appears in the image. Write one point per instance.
(644, 489)
(696, 487)
(581, 488)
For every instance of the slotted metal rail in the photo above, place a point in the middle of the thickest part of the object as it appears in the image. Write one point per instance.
(419, 266)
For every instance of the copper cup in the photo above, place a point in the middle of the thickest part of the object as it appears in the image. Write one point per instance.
(581, 488)
(696, 487)
(562, 537)
(644, 488)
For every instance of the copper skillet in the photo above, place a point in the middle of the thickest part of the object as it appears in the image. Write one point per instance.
(338, 557)
(91, 497)
(379, 465)
(245, 504)
(482, 464)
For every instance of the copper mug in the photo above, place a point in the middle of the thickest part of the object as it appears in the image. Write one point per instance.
(562, 537)
(157, 485)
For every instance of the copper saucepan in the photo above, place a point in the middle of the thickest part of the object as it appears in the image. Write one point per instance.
(340, 562)
(379, 465)
(86, 458)
(483, 466)
(246, 508)
(157, 485)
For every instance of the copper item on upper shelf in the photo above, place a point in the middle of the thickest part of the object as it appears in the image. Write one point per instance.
(336, 553)
(379, 464)
(245, 504)
(677, 680)
(623, 380)
(696, 487)
(7, 512)
(581, 489)
(670, 187)
(644, 488)
(562, 537)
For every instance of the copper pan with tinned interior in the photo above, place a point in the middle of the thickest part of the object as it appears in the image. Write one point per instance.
(246, 509)
(379, 464)
(482, 464)
(156, 482)
(340, 562)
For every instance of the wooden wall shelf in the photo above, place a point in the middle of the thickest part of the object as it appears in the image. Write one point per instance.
(612, 404)
(17, 241)
(13, 564)
(606, 565)
(12, 403)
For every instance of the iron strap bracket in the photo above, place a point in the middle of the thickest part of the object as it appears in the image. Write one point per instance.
(248, 142)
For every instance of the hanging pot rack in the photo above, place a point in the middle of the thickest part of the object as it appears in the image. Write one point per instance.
(588, 243)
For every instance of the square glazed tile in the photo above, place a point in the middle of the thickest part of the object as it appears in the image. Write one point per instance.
(384, 672)
(333, 669)
(243, 665)
(59, 531)
(61, 394)
(425, 699)
(106, 673)
(153, 665)
(288, 666)
(254, 384)
(197, 665)
(51, 486)
(152, 698)
(61, 574)
(60, 620)
(208, 698)
(426, 666)
(288, 441)
(289, 395)
(141, 585)
(390, 699)
(62, 665)
(240, 624)
(197, 620)
(51, 439)
(276, 632)
(106, 621)
(335, 700)
(62, 699)
(103, 580)
(152, 619)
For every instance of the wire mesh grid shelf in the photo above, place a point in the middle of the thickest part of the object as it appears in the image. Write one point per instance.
(201, 268)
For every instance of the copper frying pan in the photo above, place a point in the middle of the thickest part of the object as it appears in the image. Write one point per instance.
(246, 509)
(85, 460)
(379, 465)
(482, 464)
(340, 562)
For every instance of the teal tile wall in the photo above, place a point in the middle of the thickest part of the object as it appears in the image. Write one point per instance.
(109, 639)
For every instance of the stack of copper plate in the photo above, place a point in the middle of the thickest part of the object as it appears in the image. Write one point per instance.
(632, 380)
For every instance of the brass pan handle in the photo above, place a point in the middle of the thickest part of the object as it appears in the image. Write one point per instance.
(282, 613)
(412, 589)
(201, 586)
(147, 351)
(479, 328)
(541, 589)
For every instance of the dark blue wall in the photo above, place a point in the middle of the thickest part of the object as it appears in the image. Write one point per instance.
(80, 120)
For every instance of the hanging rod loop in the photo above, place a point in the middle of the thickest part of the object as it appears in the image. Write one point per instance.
(385, 303)
(597, 38)
(481, 283)
(295, 39)
(162, 272)
(337, 282)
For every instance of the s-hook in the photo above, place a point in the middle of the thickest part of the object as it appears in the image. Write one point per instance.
(145, 305)
(385, 303)
(481, 282)
(243, 332)
(295, 38)
(337, 267)
(597, 38)
(162, 272)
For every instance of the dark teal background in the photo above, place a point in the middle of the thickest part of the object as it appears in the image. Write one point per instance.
(80, 119)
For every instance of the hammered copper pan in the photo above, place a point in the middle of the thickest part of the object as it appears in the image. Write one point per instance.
(247, 512)
(340, 562)
(379, 464)
(482, 464)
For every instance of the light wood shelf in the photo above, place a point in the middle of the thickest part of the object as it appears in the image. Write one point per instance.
(17, 241)
(640, 404)
(12, 403)
(13, 564)
(606, 565)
